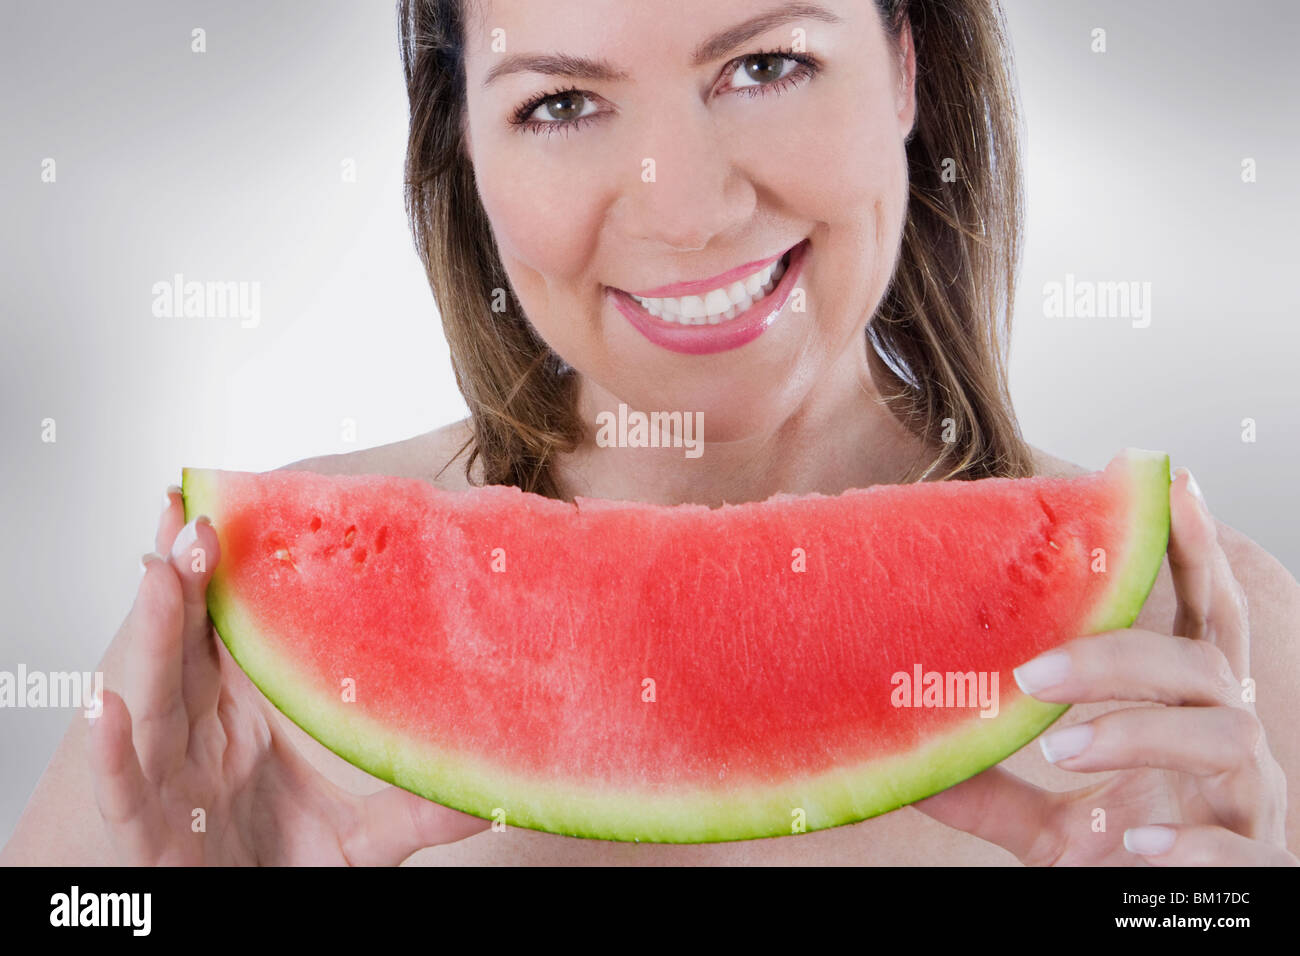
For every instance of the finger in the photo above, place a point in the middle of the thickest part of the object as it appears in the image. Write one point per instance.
(1001, 808)
(1225, 743)
(152, 671)
(1211, 602)
(194, 556)
(1169, 844)
(124, 797)
(1204, 741)
(1132, 664)
(171, 519)
(394, 823)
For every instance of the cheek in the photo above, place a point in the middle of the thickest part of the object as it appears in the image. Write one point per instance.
(544, 220)
(839, 158)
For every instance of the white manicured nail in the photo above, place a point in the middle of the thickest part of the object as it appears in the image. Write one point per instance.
(167, 495)
(185, 540)
(1149, 841)
(1042, 672)
(1068, 742)
(1195, 489)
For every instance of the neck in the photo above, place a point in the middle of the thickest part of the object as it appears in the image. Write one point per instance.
(839, 436)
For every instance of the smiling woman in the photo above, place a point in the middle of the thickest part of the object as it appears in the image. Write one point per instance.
(801, 138)
(783, 238)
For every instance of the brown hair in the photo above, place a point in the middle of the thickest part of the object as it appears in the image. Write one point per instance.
(942, 329)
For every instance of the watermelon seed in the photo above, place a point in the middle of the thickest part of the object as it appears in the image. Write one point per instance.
(349, 535)
(381, 540)
(1054, 544)
(315, 522)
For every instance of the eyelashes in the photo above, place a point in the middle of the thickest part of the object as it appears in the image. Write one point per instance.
(521, 118)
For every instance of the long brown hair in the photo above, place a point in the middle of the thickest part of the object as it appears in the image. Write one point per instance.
(940, 335)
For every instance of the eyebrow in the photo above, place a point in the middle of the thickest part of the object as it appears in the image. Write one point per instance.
(716, 46)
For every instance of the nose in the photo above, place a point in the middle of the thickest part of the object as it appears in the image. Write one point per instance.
(697, 191)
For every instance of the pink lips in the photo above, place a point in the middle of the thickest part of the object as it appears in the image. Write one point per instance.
(728, 334)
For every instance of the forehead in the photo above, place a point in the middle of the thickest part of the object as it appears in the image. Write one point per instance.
(629, 29)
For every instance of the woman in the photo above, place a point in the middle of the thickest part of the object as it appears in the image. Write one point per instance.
(597, 191)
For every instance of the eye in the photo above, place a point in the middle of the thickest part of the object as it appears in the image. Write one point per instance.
(754, 74)
(566, 106)
(765, 69)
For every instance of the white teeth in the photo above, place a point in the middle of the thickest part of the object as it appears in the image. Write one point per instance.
(692, 307)
(716, 302)
(717, 305)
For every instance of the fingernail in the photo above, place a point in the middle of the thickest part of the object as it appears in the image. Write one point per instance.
(1067, 742)
(1042, 672)
(186, 539)
(1195, 489)
(1149, 841)
(167, 496)
(146, 558)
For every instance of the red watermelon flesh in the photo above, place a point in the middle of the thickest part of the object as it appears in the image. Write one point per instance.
(676, 674)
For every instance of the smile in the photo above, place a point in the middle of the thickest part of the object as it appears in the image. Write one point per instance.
(720, 304)
(719, 314)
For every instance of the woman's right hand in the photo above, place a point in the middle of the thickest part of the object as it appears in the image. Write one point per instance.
(190, 767)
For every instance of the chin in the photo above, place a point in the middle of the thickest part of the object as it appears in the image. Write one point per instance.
(731, 411)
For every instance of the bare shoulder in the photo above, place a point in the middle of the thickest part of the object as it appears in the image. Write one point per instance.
(1049, 466)
(437, 457)
(1272, 598)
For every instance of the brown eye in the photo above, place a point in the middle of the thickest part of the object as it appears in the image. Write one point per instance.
(565, 106)
(774, 71)
(764, 67)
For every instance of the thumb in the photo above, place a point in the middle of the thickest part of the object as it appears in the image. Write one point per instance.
(394, 823)
(996, 806)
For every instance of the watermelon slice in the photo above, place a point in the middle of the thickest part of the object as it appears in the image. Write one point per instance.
(677, 674)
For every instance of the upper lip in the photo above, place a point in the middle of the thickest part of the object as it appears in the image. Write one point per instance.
(698, 286)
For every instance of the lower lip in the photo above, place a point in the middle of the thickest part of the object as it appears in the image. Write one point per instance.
(727, 334)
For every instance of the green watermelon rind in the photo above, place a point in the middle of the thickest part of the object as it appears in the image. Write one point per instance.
(840, 796)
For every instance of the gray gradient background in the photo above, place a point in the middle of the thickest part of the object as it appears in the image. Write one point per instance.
(226, 166)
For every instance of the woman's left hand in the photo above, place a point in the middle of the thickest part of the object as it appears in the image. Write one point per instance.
(1196, 783)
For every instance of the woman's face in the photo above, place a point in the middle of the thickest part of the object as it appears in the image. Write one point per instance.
(686, 154)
